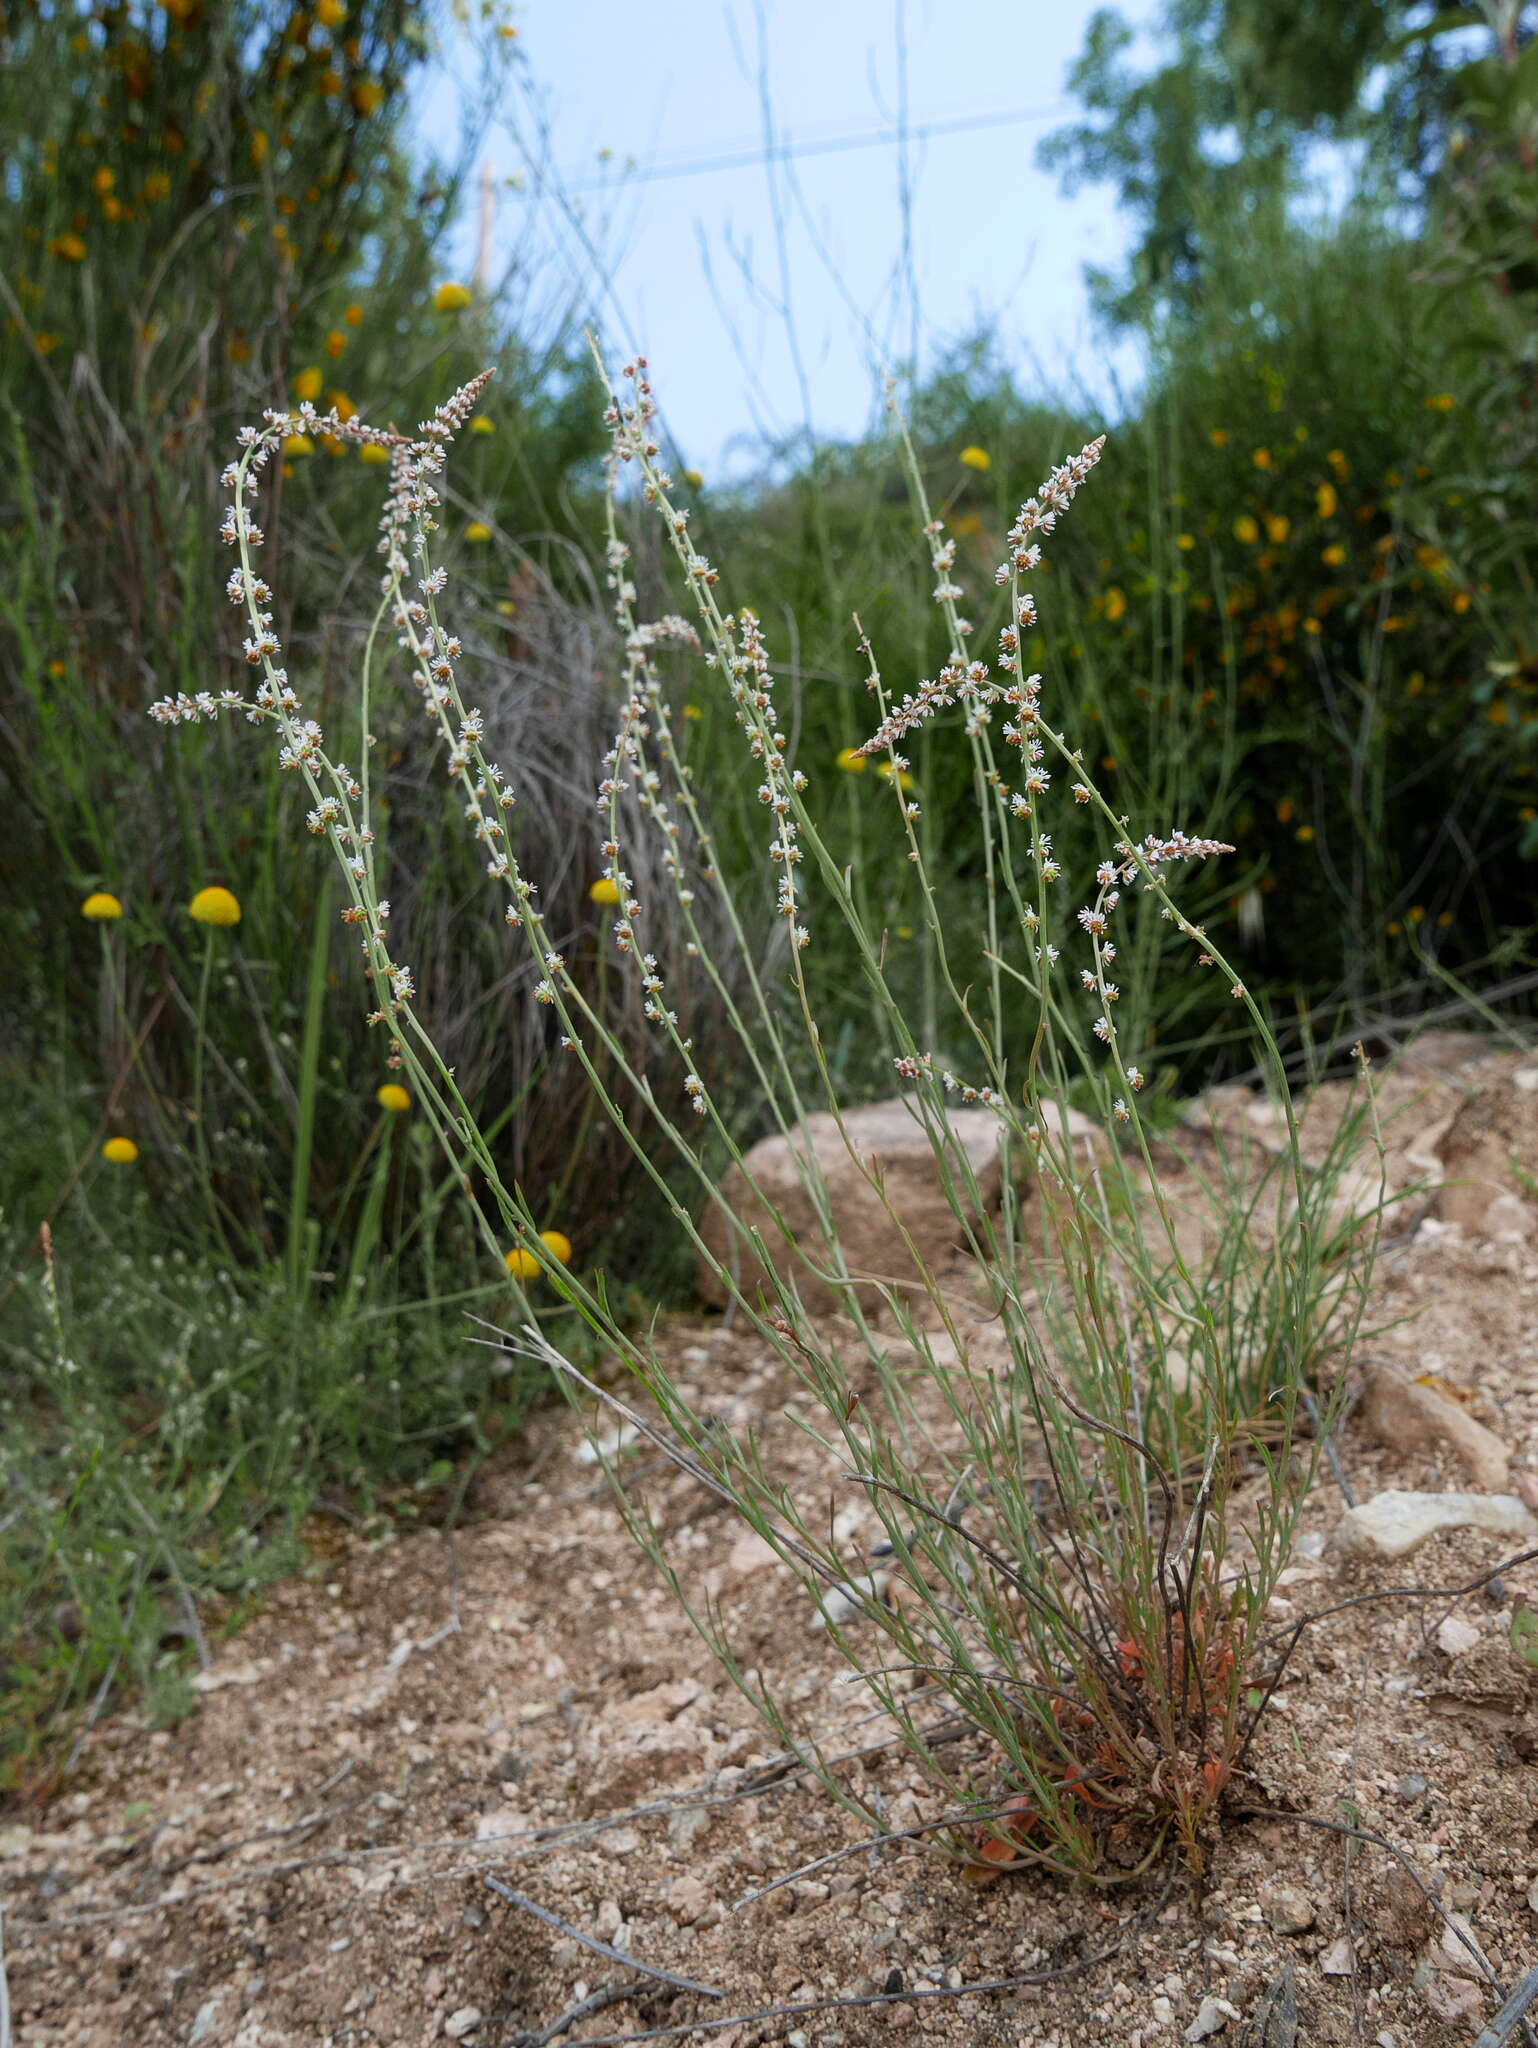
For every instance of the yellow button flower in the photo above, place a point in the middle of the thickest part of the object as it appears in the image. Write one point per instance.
(1441, 401)
(70, 247)
(336, 341)
(354, 316)
(367, 97)
(1326, 502)
(1185, 542)
(851, 760)
(215, 905)
(526, 1266)
(1336, 458)
(330, 13)
(298, 444)
(101, 906)
(975, 458)
(451, 298)
(1332, 556)
(1261, 458)
(604, 890)
(120, 1151)
(1219, 437)
(373, 453)
(481, 425)
(1115, 603)
(392, 1096)
(1278, 526)
(1246, 529)
(307, 384)
(903, 778)
(477, 531)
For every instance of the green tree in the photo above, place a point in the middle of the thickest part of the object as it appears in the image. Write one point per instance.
(1241, 93)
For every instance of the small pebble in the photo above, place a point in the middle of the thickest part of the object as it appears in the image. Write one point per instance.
(1211, 2018)
(1456, 1636)
(1455, 1999)
(1394, 1523)
(1286, 1907)
(463, 2022)
(1412, 1786)
(203, 2025)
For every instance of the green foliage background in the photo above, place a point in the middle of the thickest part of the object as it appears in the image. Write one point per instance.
(1294, 608)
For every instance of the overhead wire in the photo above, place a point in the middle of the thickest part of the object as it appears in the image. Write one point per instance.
(746, 158)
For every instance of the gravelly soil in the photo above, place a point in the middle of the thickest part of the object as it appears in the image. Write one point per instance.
(304, 1860)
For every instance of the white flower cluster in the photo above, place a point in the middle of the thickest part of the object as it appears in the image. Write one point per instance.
(334, 791)
(632, 424)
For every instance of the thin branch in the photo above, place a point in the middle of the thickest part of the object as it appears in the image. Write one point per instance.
(915, 1995)
(1503, 2026)
(780, 1771)
(1400, 1593)
(1340, 1827)
(5, 1990)
(595, 2002)
(601, 1948)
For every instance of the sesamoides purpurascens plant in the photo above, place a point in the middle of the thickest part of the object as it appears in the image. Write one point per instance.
(1058, 1596)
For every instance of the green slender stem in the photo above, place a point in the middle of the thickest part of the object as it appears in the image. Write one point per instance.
(199, 1133)
(309, 1078)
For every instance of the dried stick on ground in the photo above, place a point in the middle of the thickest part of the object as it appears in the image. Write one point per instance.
(1504, 2025)
(5, 1990)
(1339, 1827)
(595, 2002)
(598, 1947)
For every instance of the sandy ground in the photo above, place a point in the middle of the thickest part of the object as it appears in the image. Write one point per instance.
(305, 1860)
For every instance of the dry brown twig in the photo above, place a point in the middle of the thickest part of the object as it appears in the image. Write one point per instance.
(914, 1995)
(601, 1948)
(1502, 2027)
(1466, 1941)
(777, 1774)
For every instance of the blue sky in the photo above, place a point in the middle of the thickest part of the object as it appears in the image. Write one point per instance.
(754, 327)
